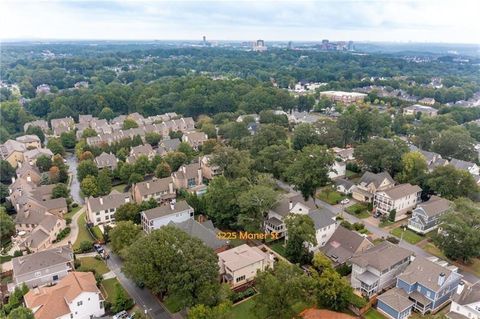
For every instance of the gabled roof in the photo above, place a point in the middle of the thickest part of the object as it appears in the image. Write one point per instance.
(344, 182)
(112, 200)
(401, 191)
(187, 171)
(343, 244)
(322, 218)
(154, 186)
(167, 209)
(381, 256)
(206, 232)
(396, 298)
(469, 295)
(106, 159)
(459, 164)
(28, 139)
(282, 206)
(434, 206)
(42, 259)
(377, 179)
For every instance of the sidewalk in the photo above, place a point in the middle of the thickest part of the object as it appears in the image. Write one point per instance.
(72, 237)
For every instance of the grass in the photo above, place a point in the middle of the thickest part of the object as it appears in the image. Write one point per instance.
(93, 263)
(4, 259)
(473, 266)
(373, 314)
(97, 233)
(119, 188)
(358, 210)
(173, 303)
(109, 287)
(83, 234)
(385, 223)
(332, 197)
(278, 247)
(73, 212)
(350, 174)
(243, 310)
(408, 235)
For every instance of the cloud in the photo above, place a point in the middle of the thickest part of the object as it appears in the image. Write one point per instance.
(375, 20)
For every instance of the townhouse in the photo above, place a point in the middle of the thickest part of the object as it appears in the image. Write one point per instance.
(195, 139)
(420, 109)
(101, 210)
(161, 189)
(205, 231)
(162, 215)
(190, 177)
(40, 123)
(62, 125)
(426, 216)
(401, 198)
(12, 151)
(209, 171)
(470, 167)
(370, 183)
(169, 145)
(106, 160)
(30, 141)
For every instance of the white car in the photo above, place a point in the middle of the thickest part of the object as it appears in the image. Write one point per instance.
(345, 201)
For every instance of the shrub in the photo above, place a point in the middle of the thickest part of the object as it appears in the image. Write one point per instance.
(68, 220)
(357, 301)
(344, 270)
(17, 253)
(75, 205)
(358, 226)
(347, 225)
(353, 167)
(393, 240)
(86, 246)
(64, 233)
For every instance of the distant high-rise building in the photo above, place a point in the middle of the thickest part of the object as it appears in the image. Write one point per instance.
(351, 46)
(204, 39)
(289, 45)
(259, 46)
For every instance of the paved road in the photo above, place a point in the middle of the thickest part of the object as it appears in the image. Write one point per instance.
(74, 185)
(376, 231)
(143, 297)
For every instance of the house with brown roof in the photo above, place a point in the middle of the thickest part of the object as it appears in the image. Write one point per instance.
(106, 160)
(74, 296)
(12, 152)
(161, 189)
(140, 150)
(401, 198)
(209, 170)
(29, 172)
(378, 267)
(42, 268)
(426, 216)
(62, 125)
(31, 156)
(170, 145)
(240, 265)
(30, 141)
(190, 177)
(40, 123)
(369, 184)
(194, 139)
(162, 215)
(101, 210)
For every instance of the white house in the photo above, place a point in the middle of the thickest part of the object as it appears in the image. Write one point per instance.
(164, 214)
(101, 210)
(466, 302)
(338, 169)
(401, 198)
(76, 296)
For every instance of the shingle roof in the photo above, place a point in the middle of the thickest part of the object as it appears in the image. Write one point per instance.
(42, 259)
(203, 231)
(396, 298)
(376, 179)
(402, 190)
(106, 160)
(241, 256)
(343, 244)
(344, 182)
(434, 206)
(282, 206)
(112, 200)
(470, 294)
(154, 186)
(166, 209)
(381, 256)
(459, 164)
(322, 218)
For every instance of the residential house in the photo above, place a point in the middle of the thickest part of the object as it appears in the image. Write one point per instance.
(378, 267)
(101, 210)
(427, 284)
(30, 141)
(29, 172)
(420, 109)
(338, 169)
(190, 177)
(344, 244)
(194, 139)
(76, 296)
(141, 150)
(12, 152)
(209, 171)
(205, 231)
(369, 184)
(42, 268)
(170, 145)
(256, 117)
(240, 265)
(31, 156)
(343, 97)
(62, 125)
(427, 101)
(40, 123)
(303, 117)
(161, 189)
(344, 186)
(466, 302)
(470, 167)
(346, 154)
(426, 216)
(253, 128)
(401, 198)
(106, 160)
(164, 214)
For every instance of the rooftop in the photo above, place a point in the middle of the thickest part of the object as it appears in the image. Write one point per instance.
(167, 209)
(381, 256)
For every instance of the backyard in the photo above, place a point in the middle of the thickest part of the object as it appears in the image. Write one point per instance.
(243, 310)
(373, 314)
(408, 235)
(119, 188)
(473, 266)
(278, 246)
(358, 210)
(83, 234)
(94, 263)
(330, 196)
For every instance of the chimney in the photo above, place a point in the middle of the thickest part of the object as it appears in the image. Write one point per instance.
(290, 205)
(13, 179)
(184, 169)
(200, 176)
(170, 188)
(441, 279)
(101, 200)
(172, 205)
(460, 287)
(148, 185)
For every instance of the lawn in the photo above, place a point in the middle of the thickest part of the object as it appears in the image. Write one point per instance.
(473, 266)
(97, 233)
(4, 259)
(83, 233)
(73, 212)
(350, 174)
(373, 314)
(408, 235)
(278, 247)
(358, 210)
(332, 197)
(109, 287)
(119, 188)
(385, 223)
(93, 263)
(243, 310)
(173, 303)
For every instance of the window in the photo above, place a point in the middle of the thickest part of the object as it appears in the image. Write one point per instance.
(240, 278)
(419, 288)
(79, 303)
(55, 277)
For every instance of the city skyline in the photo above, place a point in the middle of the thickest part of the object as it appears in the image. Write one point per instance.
(391, 21)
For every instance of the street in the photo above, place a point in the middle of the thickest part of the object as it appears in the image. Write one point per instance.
(144, 299)
(74, 185)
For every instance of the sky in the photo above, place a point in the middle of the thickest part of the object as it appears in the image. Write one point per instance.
(447, 21)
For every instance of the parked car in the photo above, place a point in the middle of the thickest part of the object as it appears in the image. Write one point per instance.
(121, 315)
(377, 214)
(345, 201)
(98, 248)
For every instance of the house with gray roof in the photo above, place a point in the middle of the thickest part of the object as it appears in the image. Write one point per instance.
(40, 123)
(344, 186)
(401, 198)
(470, 167)
(106, 160)
(204, 231)
(426, 216)
(369, 184)
(30, 141)
(170, 145)
(344, 244)
(162, 215)
(140, 150)
(420, 109)
(465, 302)
(378, 267)
(31, 156)
(190, 177)
(428, 284)
(42, 268)
(161, 189)
(101, 210)
(194, 139)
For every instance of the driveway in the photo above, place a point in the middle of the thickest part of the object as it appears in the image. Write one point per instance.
(72, 237)
(74, 185)
(143, 297)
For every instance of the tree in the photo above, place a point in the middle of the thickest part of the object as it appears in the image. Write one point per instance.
(456, 142)
(54, 174)
(254, 205)
(163, 170)
(104, 182)
(55, 145)
(414, 168)
(121, 301)
(451, 183)
(44, 163)
(89, 186)
(329, 133)
(6, 172)
(304, 134)
(86, 168)
(60, 191)
(186, 149)
(221, 311)
(123, 235)
(4, 192)
(310, 169)
(233, 130)
(232, 162)
(68, 139)
(392, 215)
(7, 225)
(128, 124)
(135, 178)
(87, 155)
(21, 313)
(35, 130)
(128, 212)
(280, 289)
(301, 235)
(460, 235)
(142, 165)
(305, 102)
(124, 171)
(378, 155)
(175, 160)
(169, 261)
(333, 291)
(153, 138)
(274, 159)
(89, 132)
(269, 134)
(106, 113)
